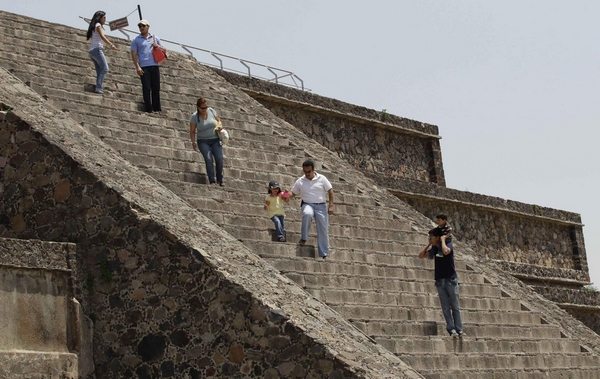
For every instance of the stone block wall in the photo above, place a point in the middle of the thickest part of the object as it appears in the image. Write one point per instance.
(534, 238)
(373, 142)
(171, 295)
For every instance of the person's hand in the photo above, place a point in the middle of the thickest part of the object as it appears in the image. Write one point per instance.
(330, 210)
(139, 71)
(112, 46)
(195, 146)
(443, 238)
(265, 207)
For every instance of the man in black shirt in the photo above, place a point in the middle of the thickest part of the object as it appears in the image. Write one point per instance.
(446, 280)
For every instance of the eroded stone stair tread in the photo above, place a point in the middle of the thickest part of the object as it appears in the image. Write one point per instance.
(372, 275)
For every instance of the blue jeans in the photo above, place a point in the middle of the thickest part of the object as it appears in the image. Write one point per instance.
(97, 56)
(212, 151)
(279, 226)
(450, 302)
(319, 213)
(151, 88)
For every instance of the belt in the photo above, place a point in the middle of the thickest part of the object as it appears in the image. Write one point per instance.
(316, 203)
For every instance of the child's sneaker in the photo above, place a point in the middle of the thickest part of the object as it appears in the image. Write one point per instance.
(461, 333)
(440, 255)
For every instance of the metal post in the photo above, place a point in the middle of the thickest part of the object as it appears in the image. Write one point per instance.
(139, 11)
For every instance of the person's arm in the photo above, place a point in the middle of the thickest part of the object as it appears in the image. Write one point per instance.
(445, 249)
(103, 37)
(136, 63)
(330, 208)
(193, 135)
(424, 253)
(157, 44)
(267, 203)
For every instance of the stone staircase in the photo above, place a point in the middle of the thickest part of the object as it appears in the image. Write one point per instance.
(372, 277)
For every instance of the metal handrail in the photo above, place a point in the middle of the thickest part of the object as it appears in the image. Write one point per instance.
(278, 73)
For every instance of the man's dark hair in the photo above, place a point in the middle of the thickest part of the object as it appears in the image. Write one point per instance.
(435, 232)
(442, 216)
(308, 163)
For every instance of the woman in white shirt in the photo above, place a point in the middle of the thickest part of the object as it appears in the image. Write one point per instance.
(96, 33)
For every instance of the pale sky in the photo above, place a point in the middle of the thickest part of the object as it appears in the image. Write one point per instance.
(512, 85)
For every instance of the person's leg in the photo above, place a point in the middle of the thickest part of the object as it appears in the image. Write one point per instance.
(322, 221)
(101, 66)
(454, 300)
(278, 221)
(205, 150)
(217, 152)
(307, 216)
(146, 88)
(440, 284)
(155, 85)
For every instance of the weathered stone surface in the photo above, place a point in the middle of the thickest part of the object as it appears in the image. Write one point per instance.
(113, 207)
(108, 288)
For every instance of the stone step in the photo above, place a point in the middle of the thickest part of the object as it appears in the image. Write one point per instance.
(246, 184)
(128, 133)
(123, 92)
(293, 222)
(293, 206)
(486, 361)
(293, 225)
(509, 373)
(397, 313)
(252, 234)
(408, 299)
(437, 327)
(421, 297)
(415, 279)
(466, 344)
(302, 266)
(257, 209)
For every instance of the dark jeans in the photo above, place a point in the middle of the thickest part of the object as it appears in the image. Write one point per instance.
(151, 85)
(212, 151)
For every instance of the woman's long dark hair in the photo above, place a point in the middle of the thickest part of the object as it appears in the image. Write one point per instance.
(96, 19)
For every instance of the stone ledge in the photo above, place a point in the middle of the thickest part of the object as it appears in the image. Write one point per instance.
(17, 364)
(544, 274)
(277, 91)
(574, 298)
(36, 254)
(413, 188)
(338, 114)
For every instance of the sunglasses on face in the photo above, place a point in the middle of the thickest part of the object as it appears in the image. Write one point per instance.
(203, 107)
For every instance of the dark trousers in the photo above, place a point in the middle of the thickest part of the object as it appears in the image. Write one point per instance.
(151, 85)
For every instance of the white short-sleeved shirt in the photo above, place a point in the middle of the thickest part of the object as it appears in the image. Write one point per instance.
(96, 39)
(312, 191)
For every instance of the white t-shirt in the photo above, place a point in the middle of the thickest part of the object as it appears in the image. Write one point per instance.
(96, 39)
(312, 191)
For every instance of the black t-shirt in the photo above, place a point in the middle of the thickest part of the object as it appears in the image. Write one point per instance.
(444, 266)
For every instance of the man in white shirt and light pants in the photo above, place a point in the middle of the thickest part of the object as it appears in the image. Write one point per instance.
(312, 188)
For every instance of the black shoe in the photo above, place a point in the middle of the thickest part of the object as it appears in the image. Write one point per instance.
(302, 242)
(281, 239)
(221, 184)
